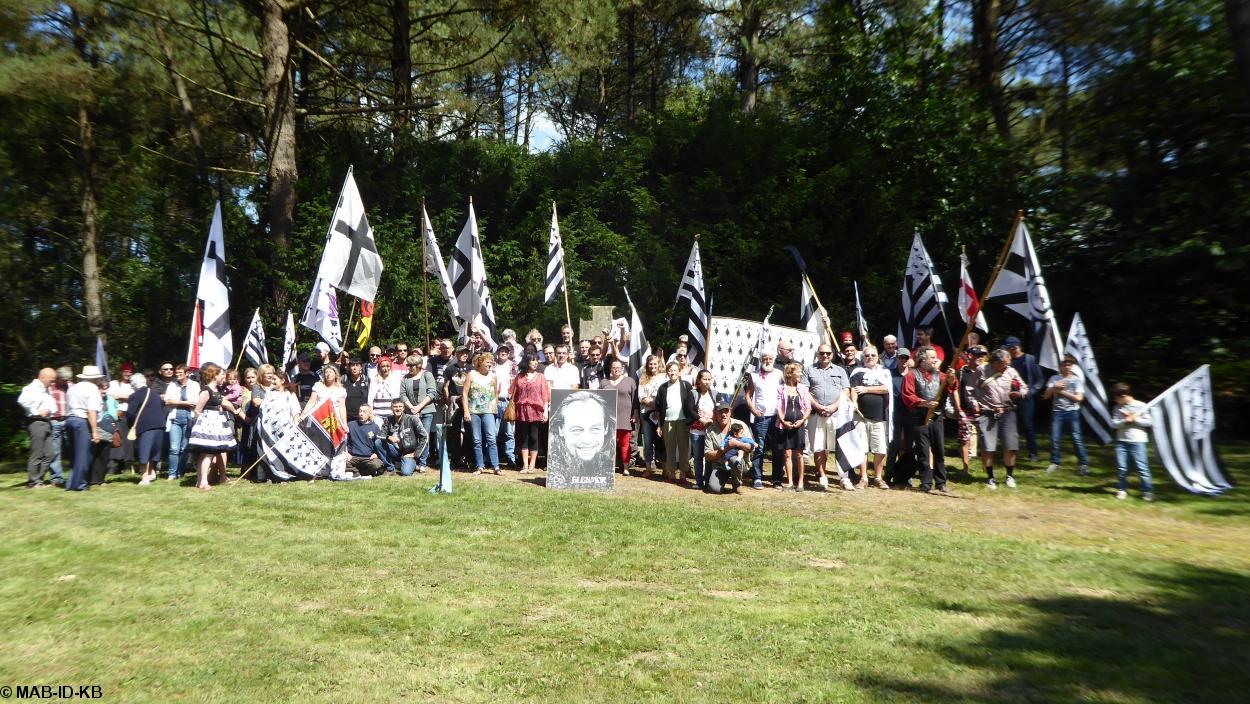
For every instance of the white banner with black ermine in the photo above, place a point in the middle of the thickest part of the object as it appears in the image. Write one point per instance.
(732, 338)
(582, 441)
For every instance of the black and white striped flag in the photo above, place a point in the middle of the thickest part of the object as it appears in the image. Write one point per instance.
(434, 266)
(860, 322)
(692, 290)
(254, 345)
(923, 295)
(1183, 419)
(1094, 408)
(468, 281)
(555, 261)
(289, 360)
(638, 348)
(1021, 287)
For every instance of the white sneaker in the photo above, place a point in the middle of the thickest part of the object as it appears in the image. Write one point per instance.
(1148, 496)
(1083, 470)
(991, 484)
(1011, 482)
(1121, 495)
(846, 484)
(824, 482)
(1052, 468)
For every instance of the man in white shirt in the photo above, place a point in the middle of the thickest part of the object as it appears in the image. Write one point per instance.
(86, 405)
(504, 370)
(563, 374)
(180, 398)
(761, 396)
(40, 407)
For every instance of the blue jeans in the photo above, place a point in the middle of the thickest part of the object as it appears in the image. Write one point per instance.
(697, 445)
(484, 427)
(80, 440)
(178, 439)
(389, 454)
(651, 441)
(760, 428)
(505, 433)
(1124, 451)
(1072, 419)
(58, 445)
(431, 448)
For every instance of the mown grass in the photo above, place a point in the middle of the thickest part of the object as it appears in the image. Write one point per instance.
(504, 591)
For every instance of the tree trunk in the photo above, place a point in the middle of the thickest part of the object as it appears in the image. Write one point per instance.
(92, 294)
(401, 65)
(279, 120)
(501, 114)
(985, 26)
(184, 102)
(1238, 12)
(748, 56)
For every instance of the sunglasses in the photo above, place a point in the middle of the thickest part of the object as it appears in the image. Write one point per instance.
(374, 356)
(167, 369)
(824, 353)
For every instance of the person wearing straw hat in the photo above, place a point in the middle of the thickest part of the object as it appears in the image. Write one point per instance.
(86, 405)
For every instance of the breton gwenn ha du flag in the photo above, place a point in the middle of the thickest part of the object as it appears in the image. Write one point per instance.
(1094, 407)
(351, 262)
(1022, 289)
(254, 345)
(434, 266)
(1183, 418)
(860, 322)
(923, 296)
(468, 281)
(692, 289)
(210, 326)
(637, 349)
(289, 360)
(969, 304)
(555, 261)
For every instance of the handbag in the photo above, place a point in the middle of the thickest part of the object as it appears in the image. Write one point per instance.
(509, 412)
(132, 434)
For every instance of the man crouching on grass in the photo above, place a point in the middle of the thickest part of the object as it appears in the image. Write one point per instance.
(729, 446)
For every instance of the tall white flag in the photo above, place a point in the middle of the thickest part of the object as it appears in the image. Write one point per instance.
(860, 322)
(254, 345)
(638, 348)
(692, 290)
(1094, 408)
(923, 295)
(211, 340)
(289, 361)
(1183, 418)
(1022, 289)
(434, 266)
(468, 281)
(555, 261)
(351, 262)
(321, 314)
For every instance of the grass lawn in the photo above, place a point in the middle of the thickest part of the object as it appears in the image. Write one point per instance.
(505, 591)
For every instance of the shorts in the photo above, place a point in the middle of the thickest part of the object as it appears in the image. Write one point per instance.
(150, 445)
(875, 434)
(990, 430)
(821, 433)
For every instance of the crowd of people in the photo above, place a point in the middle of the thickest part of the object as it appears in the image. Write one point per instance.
(487, 407)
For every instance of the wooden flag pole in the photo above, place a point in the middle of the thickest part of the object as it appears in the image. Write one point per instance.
(824, 317)
(972, 320)
(568, 317)
(425, 281)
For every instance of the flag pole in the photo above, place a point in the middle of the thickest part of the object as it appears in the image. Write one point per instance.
(824, 317)
(350, 315)
(972, 320)
(568, 317)
(425, 281)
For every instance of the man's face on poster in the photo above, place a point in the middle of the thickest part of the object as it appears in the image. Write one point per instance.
(583, 429)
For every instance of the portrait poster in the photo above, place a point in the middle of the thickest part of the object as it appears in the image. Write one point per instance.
(581, 443)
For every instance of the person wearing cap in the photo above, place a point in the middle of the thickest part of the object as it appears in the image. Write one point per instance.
(900, 465)
(86, 407)
(998, 389)
(725, 436)
(922, 393)
(972, 359)
(305, 378)
(1026, 366)
(762, 390)
(1066, 392)
(827, 383)
(39, 407)
(180, 398)
(322, 358)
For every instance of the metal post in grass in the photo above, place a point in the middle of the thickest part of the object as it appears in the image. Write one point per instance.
(444, 475)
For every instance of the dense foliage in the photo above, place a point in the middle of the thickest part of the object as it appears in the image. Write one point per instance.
(842, 128)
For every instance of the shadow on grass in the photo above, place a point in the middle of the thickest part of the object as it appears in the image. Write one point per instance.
(1187, 642)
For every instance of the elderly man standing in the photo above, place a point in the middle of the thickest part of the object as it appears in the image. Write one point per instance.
(827, 383)
(922, 392)
(997, 389)
(86, 406)
(1031, 374)
(1066, 391)
(40, 407)
(761, 392)
(889, 354)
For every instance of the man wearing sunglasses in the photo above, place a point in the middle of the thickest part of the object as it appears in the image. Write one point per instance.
(827, 383)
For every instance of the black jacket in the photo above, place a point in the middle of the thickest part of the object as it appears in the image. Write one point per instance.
(689, 408)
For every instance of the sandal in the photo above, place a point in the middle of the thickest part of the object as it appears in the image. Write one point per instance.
(477, 471)
(498, 471)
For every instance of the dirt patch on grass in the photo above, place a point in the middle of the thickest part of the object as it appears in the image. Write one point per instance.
(724, 594)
